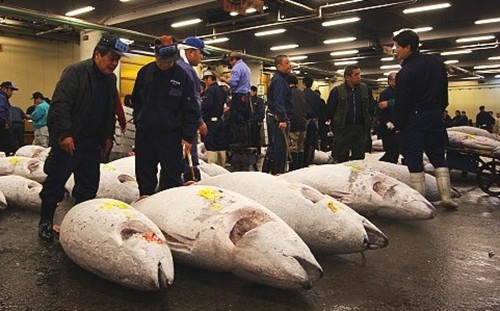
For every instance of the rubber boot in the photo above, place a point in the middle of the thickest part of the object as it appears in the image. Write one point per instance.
(294, 164)
(444, 186)
(47, 211)
(417, 182)
(266, 165)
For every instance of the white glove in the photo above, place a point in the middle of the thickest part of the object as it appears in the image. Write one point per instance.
(389, 125)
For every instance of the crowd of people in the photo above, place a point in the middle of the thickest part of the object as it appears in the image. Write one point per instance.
(173, 107)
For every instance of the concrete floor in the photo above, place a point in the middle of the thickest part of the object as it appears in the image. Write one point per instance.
(449, 263)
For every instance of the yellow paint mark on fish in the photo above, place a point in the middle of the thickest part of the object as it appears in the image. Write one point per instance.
(15, 160)
(471, 136)
(209, 194)
(129, 214)
(215, 206)
(108, 167)
(114, 203)
(333, 207)
(356, 168)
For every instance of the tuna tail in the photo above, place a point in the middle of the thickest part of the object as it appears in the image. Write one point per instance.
(376, 238)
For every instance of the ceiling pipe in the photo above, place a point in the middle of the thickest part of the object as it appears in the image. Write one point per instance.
(300, 5)
(373, 7)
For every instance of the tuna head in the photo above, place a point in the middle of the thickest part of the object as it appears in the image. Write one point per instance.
(21, 192)
(341, 230)
(389, 198)
(220, 230)
(118, 243)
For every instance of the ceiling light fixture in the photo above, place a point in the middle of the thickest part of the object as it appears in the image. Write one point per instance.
(186, 23)
(284, 47)
(494, 58)
(127, 41)
(347, 52)
(80, 11)
(424, 8)
(233, 13)
(473, 78)
(487, 21)
(451, 61)
(475, 39)
(422, 29)
(382, 79)
(340, 21)
(487, 66)
(124, 0)
(298, 57)
(456, 52)
(497, 77)
(346, 62)
(387, 59)
(270, 32)
(339, 40)
(385, 67)
(250, 10)
(216, 40)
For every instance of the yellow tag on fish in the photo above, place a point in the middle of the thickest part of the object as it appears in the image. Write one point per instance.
(112, 204)
(356, 168)
(333, 207)
(15, 160)
(209, 194)
(108, 167)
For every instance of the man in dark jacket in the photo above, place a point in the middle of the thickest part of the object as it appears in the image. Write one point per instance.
(385, 120)
(297, 123)
(166, 116)
(81, 124)
(484, 120)
(315, 108)
(421, 98)
(350, 107)
(280, 110)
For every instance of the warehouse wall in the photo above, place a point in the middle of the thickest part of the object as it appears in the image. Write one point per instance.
(469, 96)
(34, 64)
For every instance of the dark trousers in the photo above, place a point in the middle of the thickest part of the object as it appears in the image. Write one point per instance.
(152, 148)
(424, 132)
(350, 143)
(390, 143)
(277, 149)
(5, 141)
(17, 135)
(84, 164)
(310, 142)
(240, 109)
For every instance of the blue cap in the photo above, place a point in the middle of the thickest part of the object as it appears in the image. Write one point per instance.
(193, 43)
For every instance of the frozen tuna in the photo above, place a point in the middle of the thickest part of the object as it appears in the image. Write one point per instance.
(113, 240)
(21, 192)
(30, 168)
(33, 151)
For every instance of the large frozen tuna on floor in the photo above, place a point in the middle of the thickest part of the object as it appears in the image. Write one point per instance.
(368, 192)
(220, 230)
(113, 184)
(30, 168)
(401, 173)
(325, 224)
(118, 243)
(21, 192)
(474, 142)
(212, 169)
(33, 151)
(126, 165)
(321, 157)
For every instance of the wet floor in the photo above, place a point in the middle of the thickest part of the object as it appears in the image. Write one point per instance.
(449, 263)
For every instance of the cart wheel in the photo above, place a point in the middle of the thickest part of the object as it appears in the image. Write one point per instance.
(488, 178)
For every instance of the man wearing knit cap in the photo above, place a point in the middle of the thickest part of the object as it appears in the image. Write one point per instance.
(7, 88)
(166, 117)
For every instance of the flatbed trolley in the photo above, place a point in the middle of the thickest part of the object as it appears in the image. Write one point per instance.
(483, 164)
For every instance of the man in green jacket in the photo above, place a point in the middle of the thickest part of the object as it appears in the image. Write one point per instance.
(351, 107)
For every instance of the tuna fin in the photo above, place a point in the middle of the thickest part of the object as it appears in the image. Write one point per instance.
(249, 219)
(179, 243)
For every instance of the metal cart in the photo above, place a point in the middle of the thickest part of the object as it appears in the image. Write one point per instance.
(483, 164)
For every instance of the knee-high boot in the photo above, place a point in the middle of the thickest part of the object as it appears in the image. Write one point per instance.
(294, 164)
(417, 182)
(47, 211)
(444, 186)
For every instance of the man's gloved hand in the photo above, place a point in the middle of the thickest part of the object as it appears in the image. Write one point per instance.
(389, 125)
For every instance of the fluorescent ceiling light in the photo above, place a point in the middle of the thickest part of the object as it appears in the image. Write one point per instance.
(473, 78)
(487, 21)
(124, 0)
(387, 59)
(339, 40)
(340, 21)
(488, 71)
(427, 8)
(127, 41)
(347, 52)
(216, 40)
(250, 10)
(233, 13)
(270, 68)
(298, 57)
(80, 11)
(284, 47)
(186, 23)
(422, 29)
(456, 52)
(270, 32)
(297, 72)
(382, 79)
(451, 61)
(497, 77)
(475, 39)
(487, 66)
(345, 63)
(390, 67)
(494, 58)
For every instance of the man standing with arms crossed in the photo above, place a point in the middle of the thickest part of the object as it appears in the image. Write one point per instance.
(421, 98)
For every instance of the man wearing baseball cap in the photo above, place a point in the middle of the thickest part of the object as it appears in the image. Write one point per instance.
(81, 123)
(39, 117)
(7, 88)
(166, 117)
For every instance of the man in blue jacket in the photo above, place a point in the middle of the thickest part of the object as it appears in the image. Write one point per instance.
(81, 124)
(7, 88)
(39, 117)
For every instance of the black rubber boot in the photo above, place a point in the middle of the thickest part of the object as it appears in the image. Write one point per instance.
(266, 165)
(47, 211)
(294, 164)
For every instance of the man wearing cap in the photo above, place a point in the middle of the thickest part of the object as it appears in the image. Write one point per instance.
(81, 123)
(39, 117)
(166, 116)
(240, 87)
(213, 110)
(7, 88)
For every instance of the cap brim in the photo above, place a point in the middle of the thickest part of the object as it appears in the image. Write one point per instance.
(182, 46)
(14, 88)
